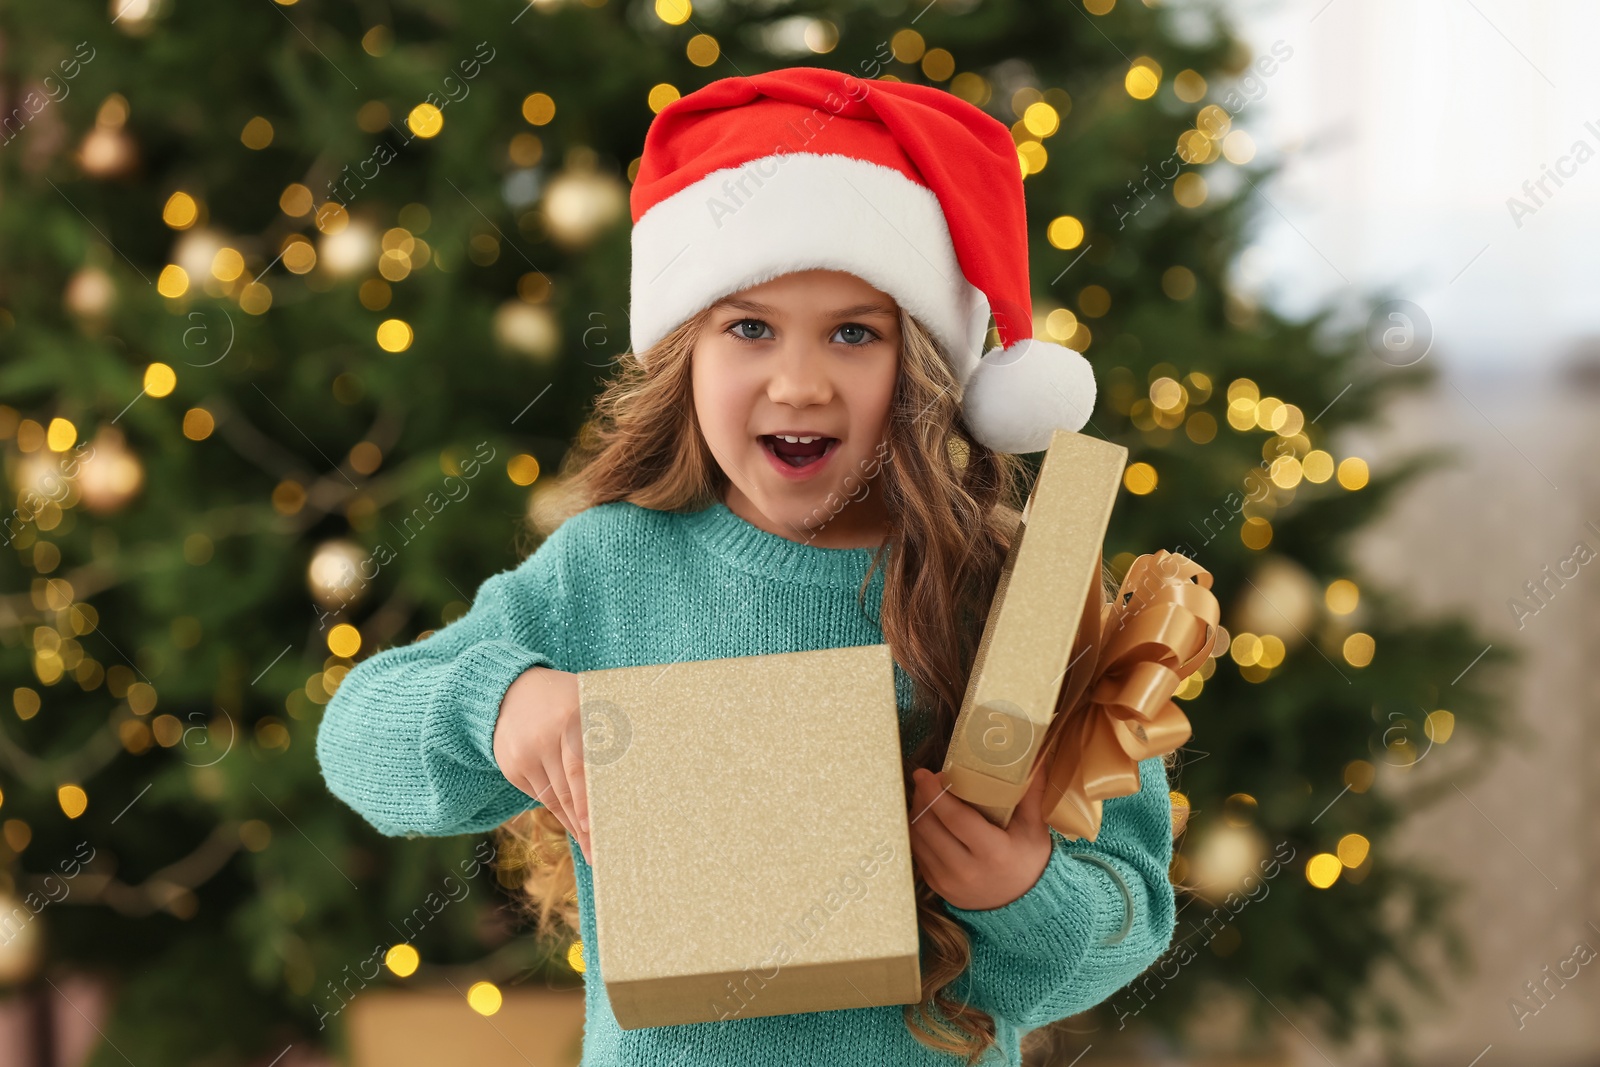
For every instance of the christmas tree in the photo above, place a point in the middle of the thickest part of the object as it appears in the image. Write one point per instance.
(298, 300)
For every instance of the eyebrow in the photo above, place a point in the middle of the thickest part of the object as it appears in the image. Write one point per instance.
(874, 308)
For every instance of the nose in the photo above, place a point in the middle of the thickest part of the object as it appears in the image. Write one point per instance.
(799, 376)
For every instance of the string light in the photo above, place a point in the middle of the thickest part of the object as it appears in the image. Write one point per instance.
(159, 379)
(173, 282)
(180, 211)
(295, 200)
(1189, 86)
(1189, 190)
(1353, 473)
(60, 435)
(1342, 596)
(538, 108)
(1353, 850)
(73, 800)
(484, 998)
(1322, 870)
(703, 50)
(344, 640)
(1065, 232)
(661, 95)
(1139, 479)
(425, 120)
(402, 960)
(522, 469)
(1359, 649)
(1143, 78)
(673, 12)
(1041, 119)
(257, 133)
(394, 335)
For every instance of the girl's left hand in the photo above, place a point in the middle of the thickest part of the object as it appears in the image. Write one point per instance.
(968, 860)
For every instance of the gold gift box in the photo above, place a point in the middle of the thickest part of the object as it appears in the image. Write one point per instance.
(1049, 585)
(749, 836)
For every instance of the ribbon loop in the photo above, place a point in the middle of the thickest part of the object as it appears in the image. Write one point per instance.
(1115, 707)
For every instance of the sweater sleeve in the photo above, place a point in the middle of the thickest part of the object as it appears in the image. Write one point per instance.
(1054, 951)
(407, 739)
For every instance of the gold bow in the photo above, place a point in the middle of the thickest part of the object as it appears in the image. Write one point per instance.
(1115, 707)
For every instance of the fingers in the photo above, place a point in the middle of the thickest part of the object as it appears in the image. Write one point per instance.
(578, 795)
(545, 791)
(936, 850)
(1030, 811)
(931, 841)
(930, 803)
(935, 870)
(538, 745)
(971, 829)
(548, 777)
(561, 790)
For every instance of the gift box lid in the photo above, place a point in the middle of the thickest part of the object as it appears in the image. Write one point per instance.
(1047, 586)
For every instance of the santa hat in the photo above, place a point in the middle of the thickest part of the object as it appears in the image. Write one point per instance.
(909, 188)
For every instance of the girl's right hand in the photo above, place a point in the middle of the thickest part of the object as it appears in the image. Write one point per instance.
(538, 744)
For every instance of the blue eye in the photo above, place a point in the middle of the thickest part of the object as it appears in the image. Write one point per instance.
(867, 335)
(738, 329)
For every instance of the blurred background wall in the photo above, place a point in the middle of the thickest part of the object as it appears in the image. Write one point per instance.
(1448, 153)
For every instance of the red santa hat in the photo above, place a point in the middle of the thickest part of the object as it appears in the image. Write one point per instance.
(907, 187)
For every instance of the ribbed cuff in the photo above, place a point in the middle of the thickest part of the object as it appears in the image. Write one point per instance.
(485, 671)
(1074, 904)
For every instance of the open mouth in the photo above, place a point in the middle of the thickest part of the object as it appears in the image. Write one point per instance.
(799, 454)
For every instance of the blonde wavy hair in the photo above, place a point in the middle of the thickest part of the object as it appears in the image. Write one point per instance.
(954, 507)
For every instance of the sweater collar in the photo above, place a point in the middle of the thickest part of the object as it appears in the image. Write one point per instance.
(765, 554)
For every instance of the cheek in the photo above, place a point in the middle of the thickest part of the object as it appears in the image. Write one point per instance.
(720, 402)
(875, 388)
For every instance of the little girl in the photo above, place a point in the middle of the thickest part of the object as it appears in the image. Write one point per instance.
(808, 452)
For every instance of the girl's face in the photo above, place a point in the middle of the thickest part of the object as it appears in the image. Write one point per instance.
(813, 353)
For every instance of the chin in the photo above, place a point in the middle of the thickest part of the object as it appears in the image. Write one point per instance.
(796, 513)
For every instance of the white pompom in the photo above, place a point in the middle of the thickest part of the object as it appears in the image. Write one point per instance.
(1020, 394)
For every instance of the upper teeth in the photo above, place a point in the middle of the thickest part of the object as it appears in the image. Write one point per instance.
(796, 440)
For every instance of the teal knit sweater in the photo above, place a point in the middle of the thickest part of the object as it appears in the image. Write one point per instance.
(407, 742)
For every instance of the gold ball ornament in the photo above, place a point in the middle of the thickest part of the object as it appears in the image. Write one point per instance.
(350, 249)
(1223, 857)
(20, 949)
(196, 251)
(136, 18)
(334, 575)
(1281, 599)
(551, 503)
(40, 473)
(107, 152)
(580, 203)
(110, 474)
(527, 329)
(90, 294)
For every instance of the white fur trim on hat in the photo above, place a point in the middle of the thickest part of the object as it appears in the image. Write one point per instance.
(741, 226)
(1021, 393)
